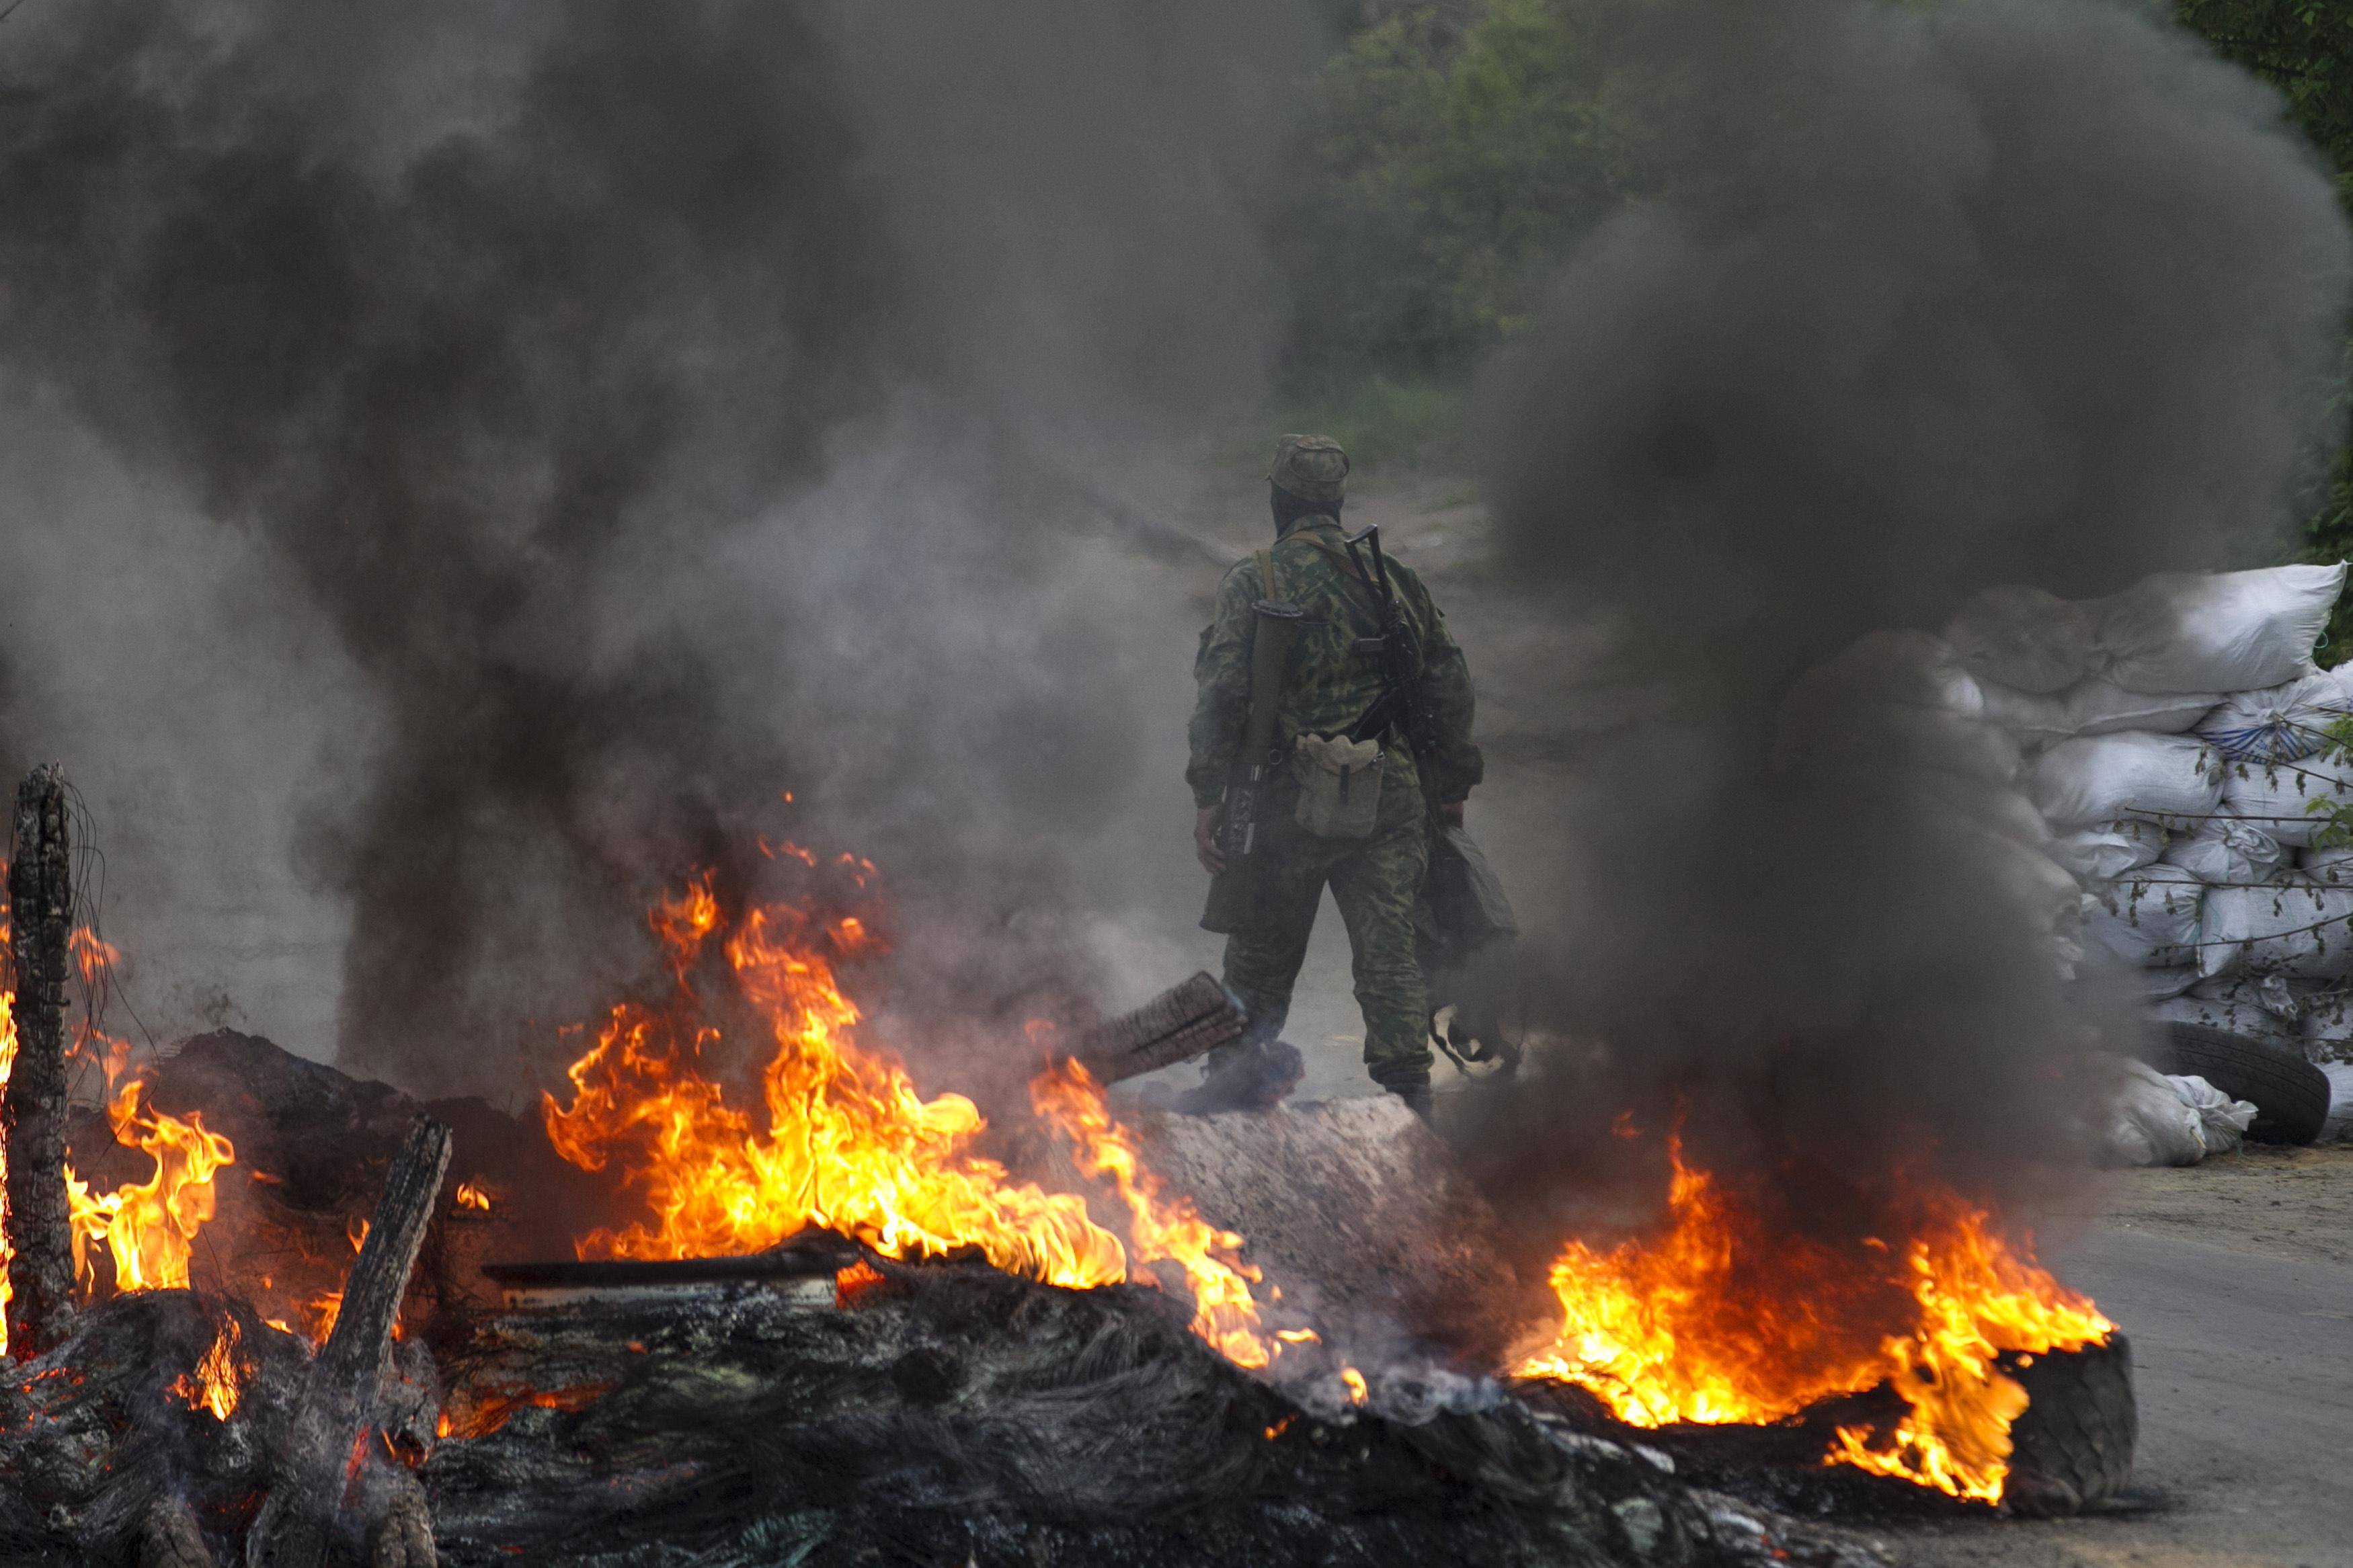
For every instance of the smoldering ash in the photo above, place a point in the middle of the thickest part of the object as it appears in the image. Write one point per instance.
(1933, 298)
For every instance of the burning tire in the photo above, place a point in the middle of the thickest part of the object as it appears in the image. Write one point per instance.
(2073, 1446)
(2289, 1094)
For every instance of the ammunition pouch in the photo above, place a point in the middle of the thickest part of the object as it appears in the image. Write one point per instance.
(1339, 785)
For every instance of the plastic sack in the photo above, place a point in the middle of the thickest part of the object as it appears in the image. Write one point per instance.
(2165, 984)
(2264, 1008)
(2278, 725)
(2147, 1122)
(2024, 638)
(1890, 700)
(2224, 852)
(2338, 1127)
(2232, 631)
(2334, 864)
(2098, 779)
(2279, 797)
(2295, 926)
(2094, 708)
(2149, 920)
(2328, 1022)
(1897, 669)
(2104, 854)
(2222, 1122)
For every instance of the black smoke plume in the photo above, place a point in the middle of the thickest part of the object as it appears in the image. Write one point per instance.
(1936, 296)
(660, 408)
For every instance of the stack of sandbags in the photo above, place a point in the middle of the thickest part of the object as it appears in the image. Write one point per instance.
(2177, 741)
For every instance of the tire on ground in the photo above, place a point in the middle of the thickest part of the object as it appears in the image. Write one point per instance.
(2289, 1094)
(2073, 1446)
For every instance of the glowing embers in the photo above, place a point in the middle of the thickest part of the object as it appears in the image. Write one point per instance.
(1731, 1313)
(840, 1139)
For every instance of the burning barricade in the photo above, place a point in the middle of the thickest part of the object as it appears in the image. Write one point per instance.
(789, 1305)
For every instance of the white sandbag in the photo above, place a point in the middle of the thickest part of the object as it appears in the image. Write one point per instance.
(2025, 638)
(2328, 1021)
(1899, 670)
(2334, 864)
(2223, 852)
(1894, 701)
(2264, 1008)
(2147, 1122)
(2098, 779)
(2232, 631)
(2338, 1127)
(2149, 920)
(2292, 927)
(2222, 1122)
(2279, 723)
(2104, 854)
(2092, 708)
(2280, 797)
(2165, 984)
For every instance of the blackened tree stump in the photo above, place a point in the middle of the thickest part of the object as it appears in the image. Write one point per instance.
(40, 895)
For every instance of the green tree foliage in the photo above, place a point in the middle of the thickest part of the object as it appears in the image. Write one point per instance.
(1458, 160)
(2305, 48)
(1460, 148)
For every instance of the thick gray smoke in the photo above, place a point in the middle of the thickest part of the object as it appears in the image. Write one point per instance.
(631, 413)
(1937, 297)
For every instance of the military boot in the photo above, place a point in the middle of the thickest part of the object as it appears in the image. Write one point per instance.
(1251, 1079)
(1417, 1099)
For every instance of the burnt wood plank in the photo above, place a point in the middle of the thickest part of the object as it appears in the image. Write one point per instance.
(320, 1499)
(1182, 1022)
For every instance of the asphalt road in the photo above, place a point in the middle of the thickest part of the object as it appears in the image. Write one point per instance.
(2243, 1365)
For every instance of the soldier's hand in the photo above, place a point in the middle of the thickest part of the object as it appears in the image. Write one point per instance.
(1205, 840)
(1453, 811)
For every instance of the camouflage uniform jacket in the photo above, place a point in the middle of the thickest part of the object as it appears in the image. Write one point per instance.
(1330, 684)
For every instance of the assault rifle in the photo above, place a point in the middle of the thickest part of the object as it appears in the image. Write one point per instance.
(1402, 701)
(1231, 890)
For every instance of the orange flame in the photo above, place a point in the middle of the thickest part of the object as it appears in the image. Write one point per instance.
(470, 1195)
(843, 1141)
(328, 1305)
(219, 1377)
(148, 1226)
(1068, 1098)
(1724, 1318)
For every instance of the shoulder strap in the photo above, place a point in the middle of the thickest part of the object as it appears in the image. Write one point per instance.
(1266, 574)
(1338, 557)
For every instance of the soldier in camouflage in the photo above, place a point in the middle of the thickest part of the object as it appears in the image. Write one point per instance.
(1330, 683)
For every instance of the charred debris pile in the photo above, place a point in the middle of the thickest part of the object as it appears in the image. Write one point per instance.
(841, 1408)
(263, 1312)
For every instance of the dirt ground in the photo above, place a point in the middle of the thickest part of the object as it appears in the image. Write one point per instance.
(2292, 1203)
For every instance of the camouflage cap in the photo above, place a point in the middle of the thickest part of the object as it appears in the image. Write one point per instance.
(1312, 468)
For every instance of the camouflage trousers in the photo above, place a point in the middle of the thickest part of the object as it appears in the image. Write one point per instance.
(1376, 882)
